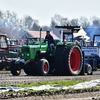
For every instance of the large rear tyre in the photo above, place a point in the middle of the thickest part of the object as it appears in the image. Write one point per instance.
(15, 68)
(73, 60)
(43, 67)
(58, 60)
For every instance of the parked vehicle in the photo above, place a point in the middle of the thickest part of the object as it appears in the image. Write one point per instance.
(14, 51)
(92, 54)
(4, 50)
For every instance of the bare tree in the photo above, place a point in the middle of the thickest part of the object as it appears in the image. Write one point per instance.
(53, 23)
(95, 21)
(11, 24)
(84, 22)
(27, 22)
(10, 19)
(35, 27)
(59, 20)
(74, 22)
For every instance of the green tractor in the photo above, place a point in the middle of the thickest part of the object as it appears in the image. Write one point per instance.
(65, 59)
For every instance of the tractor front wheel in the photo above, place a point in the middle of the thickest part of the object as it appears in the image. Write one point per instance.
(15, 68)
(43, 67)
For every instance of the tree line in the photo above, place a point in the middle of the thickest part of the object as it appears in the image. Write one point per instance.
(14, 27)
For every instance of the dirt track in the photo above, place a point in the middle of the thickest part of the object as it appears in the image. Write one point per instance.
(80, 96)
(7, 78)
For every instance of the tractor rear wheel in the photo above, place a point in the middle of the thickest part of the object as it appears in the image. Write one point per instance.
(15, 68)
(73, 60)
(58, 60)
(43, 67)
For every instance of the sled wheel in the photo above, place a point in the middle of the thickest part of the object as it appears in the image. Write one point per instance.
(88, 69)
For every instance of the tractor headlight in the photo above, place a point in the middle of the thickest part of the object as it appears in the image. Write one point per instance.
(28, 54)
(22, 54)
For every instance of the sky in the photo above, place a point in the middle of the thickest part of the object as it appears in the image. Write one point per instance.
(44, 10)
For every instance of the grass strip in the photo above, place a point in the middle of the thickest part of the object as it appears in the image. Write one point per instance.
(61, 83)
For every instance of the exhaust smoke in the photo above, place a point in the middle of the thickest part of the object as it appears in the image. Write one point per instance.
(81, 33)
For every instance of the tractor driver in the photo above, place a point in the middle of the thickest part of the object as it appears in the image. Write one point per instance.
(50, 40)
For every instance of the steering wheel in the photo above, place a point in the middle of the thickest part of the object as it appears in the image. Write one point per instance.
(46, 41)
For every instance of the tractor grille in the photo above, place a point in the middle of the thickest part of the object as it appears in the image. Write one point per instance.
(32, 50)
(25, 50)
(22, 49)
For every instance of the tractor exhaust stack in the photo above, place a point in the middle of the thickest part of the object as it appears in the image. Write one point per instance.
(40, 38)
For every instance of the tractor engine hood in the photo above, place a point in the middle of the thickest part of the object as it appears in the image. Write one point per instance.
(35, 46)
(30, 51)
